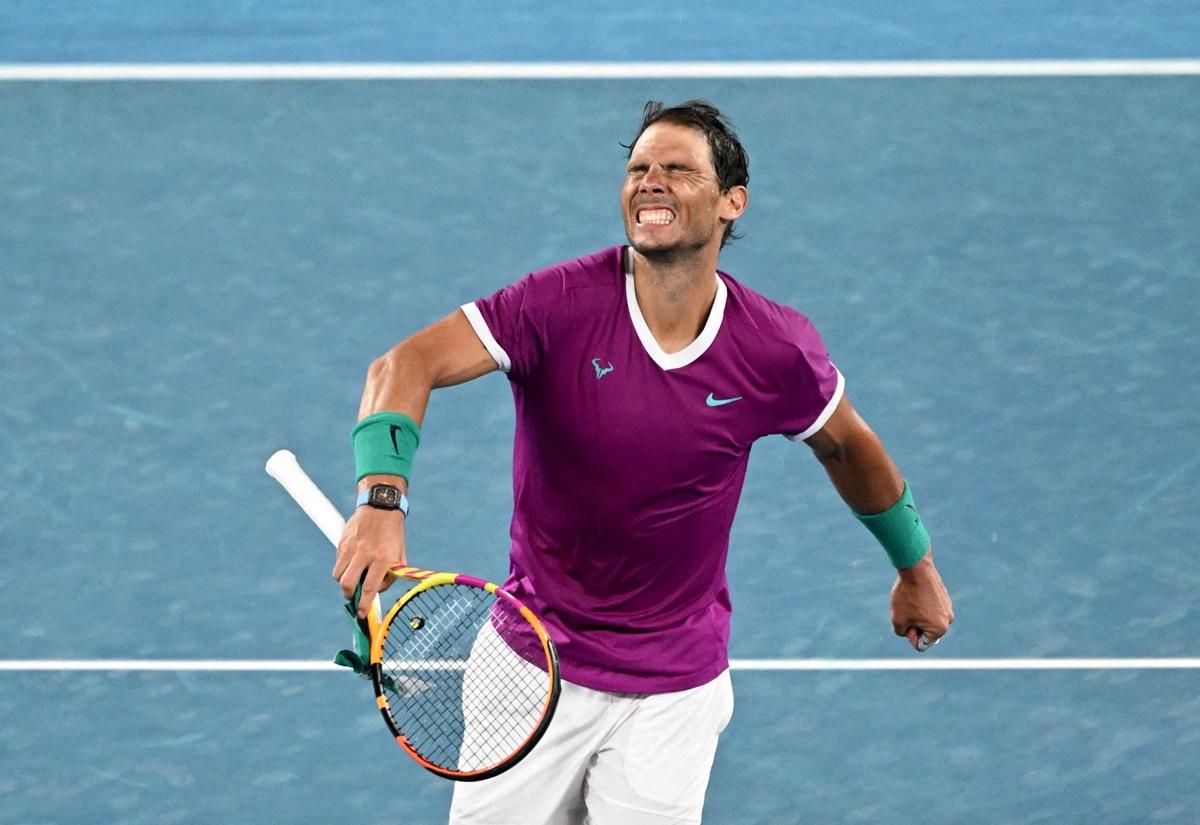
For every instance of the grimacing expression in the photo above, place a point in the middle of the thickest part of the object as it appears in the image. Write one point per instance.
(671, 198)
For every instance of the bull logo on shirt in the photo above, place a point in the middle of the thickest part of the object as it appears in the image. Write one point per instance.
(601, 371)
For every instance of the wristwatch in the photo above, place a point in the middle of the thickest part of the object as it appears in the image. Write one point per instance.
(384, 497)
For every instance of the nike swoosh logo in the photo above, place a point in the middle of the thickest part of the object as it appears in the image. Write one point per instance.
(395, 446)
(720, 402)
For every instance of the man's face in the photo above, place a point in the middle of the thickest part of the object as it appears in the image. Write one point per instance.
(671, 199)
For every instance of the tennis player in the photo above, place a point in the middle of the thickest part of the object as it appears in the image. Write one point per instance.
(642, 376)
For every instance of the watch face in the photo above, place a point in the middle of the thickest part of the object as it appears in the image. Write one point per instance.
(385, 496)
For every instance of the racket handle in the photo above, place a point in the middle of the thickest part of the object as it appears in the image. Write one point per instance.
(284, 468)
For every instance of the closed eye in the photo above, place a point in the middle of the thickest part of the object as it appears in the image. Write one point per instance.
(672, 168)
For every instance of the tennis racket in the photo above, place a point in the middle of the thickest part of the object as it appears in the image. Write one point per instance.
(465, 675)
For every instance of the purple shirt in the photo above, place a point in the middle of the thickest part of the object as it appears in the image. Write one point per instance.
(628, 461)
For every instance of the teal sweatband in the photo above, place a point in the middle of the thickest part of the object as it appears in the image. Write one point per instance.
(900, 531)
(384, 444)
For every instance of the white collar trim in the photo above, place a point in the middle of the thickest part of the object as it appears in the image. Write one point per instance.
(673, 360)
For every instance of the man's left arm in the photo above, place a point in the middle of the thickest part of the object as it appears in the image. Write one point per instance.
(871, 485)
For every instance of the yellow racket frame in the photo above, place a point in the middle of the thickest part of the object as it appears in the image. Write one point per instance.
(427, 580)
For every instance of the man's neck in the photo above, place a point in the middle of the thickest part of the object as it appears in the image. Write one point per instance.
(675, 295)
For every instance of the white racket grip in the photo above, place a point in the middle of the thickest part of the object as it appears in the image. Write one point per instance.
(284, 468)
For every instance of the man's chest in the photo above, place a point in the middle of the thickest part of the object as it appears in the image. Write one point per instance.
(601, 399)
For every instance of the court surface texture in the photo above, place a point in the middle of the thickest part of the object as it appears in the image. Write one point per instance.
(194, 273)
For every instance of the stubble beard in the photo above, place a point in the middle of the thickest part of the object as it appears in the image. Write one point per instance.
(671, 255)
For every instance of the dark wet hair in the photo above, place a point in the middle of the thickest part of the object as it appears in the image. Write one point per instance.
(728, 156)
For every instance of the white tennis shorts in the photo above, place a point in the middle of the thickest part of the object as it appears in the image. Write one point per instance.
(609, 759)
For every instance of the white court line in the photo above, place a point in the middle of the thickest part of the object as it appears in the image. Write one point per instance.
(934, 663)
(912, 663)
(596, 70)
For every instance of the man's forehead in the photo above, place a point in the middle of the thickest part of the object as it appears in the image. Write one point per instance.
(671, 139)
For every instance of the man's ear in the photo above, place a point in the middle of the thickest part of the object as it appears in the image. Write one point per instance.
(734, 202)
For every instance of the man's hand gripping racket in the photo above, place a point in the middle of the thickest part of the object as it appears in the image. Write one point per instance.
(466, 676)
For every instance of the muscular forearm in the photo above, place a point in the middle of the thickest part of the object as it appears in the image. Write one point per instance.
(866, 478)
(862, 472)
(445, 353)
(441, 355)
(398, 381)
(869, 482)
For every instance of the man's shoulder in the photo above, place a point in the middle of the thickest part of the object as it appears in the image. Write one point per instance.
(767, 317)
(596, 268)
(560, 290)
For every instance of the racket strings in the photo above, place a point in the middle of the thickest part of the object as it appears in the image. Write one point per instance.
(463, 688)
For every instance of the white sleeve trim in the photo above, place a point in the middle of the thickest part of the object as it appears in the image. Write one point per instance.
(825, 413)
(485, 336)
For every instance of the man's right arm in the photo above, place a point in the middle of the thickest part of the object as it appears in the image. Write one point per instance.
(441, 355)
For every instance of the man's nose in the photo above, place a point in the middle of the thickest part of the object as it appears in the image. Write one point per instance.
(652, 181)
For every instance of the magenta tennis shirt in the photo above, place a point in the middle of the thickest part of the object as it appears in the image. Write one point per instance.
(628, 461)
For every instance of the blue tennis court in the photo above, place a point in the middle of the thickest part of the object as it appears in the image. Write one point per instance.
(194, 274)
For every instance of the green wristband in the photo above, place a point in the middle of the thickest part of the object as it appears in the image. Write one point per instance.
(384, 444)
(900, 531)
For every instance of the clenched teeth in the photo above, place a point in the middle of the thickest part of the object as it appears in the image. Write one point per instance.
(657, 216)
